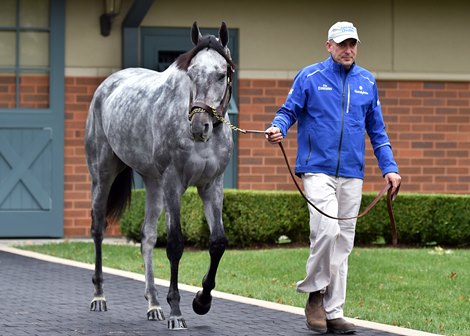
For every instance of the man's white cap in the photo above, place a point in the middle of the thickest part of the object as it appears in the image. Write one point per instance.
(341, 31)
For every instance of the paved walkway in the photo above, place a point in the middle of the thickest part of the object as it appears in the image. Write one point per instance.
(41, 295)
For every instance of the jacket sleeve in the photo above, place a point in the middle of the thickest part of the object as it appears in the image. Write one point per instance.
(375, 127)
(287, 115)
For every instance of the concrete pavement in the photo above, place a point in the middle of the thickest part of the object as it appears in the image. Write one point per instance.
(43, 295)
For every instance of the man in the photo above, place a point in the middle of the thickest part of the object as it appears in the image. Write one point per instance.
(334, 103)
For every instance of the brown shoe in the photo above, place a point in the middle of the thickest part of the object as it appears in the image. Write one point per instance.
(315, 313)
(340, 326)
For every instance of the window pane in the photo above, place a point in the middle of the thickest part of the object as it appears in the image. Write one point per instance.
(34, 90)
(34, 13)
(7, 90)
(7, 49)
(34, 50)
(7, 13)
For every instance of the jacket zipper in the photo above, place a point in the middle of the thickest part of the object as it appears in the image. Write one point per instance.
(309, 150)
(343, 80)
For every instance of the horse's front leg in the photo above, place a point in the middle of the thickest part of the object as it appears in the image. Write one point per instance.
(174, 252)
(153, 208)
(212, 197)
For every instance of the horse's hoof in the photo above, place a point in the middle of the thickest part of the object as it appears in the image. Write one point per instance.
(177, 323)
(199, 306)
(155, 313)
(98, 304)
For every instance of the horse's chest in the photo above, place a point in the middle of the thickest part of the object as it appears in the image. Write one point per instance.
(202, 167)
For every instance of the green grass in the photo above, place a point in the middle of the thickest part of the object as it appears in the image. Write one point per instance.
(423, 289)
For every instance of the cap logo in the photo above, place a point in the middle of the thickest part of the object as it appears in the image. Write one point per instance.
(344, 30)
(347, 29)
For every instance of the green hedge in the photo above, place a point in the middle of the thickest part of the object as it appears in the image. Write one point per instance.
(260, 217)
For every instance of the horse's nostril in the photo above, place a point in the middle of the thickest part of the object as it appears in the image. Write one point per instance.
(206, 128)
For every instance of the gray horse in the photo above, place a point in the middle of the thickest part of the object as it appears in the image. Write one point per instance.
(167, 127)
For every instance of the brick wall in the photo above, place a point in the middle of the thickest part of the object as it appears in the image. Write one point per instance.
(33, 91)
(428, 124)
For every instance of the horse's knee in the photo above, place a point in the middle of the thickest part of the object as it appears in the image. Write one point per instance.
(217, 246)
(148, 241)
(175, 247)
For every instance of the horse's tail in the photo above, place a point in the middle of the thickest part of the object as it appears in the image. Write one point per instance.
(120, 194)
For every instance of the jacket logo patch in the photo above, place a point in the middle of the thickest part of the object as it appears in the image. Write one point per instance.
(361, 91)
(325, 87)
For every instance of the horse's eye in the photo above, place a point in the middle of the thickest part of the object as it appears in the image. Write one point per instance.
(221, 77)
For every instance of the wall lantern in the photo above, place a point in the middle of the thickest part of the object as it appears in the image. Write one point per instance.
(112, 8)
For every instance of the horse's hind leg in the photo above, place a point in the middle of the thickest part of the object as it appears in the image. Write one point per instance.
(111, 187)
(108, 174)
(101, 185)
(212, 197)
(98, 223)
(153, 208)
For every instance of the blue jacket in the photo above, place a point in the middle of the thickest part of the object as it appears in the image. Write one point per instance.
(334, 109)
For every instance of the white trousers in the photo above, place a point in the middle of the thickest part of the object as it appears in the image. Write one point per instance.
(331, 241)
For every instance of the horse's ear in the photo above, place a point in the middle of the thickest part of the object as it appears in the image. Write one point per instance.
(195, 34)
(223, 34)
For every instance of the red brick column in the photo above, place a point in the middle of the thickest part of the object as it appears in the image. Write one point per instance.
(77, 182)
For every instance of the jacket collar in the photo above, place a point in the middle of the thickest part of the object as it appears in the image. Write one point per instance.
(337, 67)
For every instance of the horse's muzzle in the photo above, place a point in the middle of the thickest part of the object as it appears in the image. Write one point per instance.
(201, 121)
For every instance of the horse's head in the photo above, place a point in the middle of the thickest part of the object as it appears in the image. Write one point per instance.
(209, 69)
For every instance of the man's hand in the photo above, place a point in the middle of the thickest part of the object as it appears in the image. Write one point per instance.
(273, 135)
(395, 180)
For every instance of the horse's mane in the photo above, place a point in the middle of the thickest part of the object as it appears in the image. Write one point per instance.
(209, 42)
